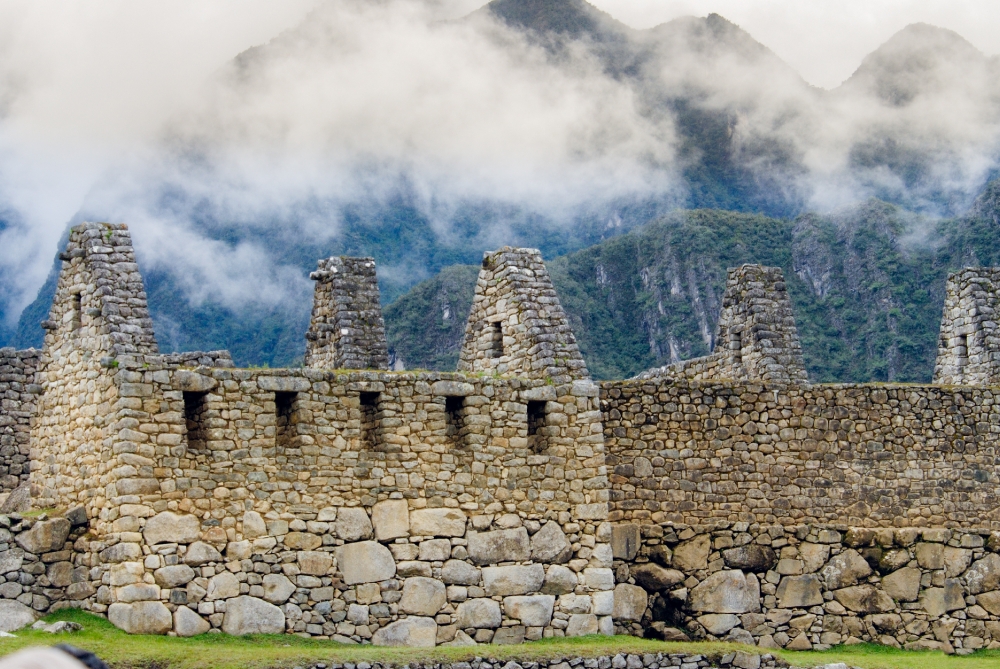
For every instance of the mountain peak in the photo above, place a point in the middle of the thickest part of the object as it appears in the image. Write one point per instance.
(917, 57)
(569, 18)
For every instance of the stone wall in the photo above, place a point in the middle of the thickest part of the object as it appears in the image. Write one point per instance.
(810, 587)
(40, 569)
(875, 455)
(318, 501)
(346, 330)
(756, 337)
(18, 400)
(969, 344)
(516, 325)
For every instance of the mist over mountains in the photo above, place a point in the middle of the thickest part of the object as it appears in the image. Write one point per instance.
(377, 129)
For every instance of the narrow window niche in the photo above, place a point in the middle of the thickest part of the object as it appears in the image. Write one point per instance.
(284, 427)
(369, 421)
(496, 340)
(962, 351)
(455, 418)
(195, 410)
(76, 307)
(736, 346)
(536, 421)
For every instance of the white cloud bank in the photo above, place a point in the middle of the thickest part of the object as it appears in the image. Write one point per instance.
(132, 111)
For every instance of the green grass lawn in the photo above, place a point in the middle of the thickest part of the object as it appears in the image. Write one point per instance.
(217, 651)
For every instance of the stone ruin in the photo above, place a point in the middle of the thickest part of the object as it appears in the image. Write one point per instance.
(969, 345)
(346, 330)
(756, 337)
(513, 500)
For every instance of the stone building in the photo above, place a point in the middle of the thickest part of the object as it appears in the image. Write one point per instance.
(512, 500)
(969, 345)
(756, 336)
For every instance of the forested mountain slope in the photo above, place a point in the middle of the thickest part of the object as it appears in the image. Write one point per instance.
(867, 285)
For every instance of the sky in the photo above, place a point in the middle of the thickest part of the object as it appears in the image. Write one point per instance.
(89, 88)
(824, 40)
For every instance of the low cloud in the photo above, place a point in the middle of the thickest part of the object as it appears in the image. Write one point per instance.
(137, 113)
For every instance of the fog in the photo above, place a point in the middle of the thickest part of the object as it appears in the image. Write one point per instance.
(137, 112)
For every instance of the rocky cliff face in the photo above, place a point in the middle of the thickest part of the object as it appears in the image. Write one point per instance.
(867, 286)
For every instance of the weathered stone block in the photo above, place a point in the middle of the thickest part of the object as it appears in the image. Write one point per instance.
(864, 599)
(692, 555)
(459, 572)
(902, 585)
(630, 602)
(45, 536)
(423, 596)
(799, 592)
(625, 541)
(443, 522)
(353, 524)
(391, 519)
(173, 576)
(752, 557)
(306, 541)
(188, 623)
(499, 546)
(582, 624)
(654, 577)
(844, 569)
(249, 615)
(141, 617)
(513, 580)
(550, 545)
(559, 580)
(365, 562)
(480, 613)
(315, 563)
(14, 615)
(729, 591)
(277, 588)
(532, 611)
(171, 528)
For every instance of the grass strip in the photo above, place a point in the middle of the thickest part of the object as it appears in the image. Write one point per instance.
(218, 651)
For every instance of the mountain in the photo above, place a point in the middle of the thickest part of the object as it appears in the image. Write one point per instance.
(867, 284)
(548, 123)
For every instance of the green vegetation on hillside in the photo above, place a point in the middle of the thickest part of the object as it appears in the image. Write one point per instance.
(219, 651)
(867, 286)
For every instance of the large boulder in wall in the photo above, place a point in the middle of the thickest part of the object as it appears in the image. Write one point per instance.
(630, 602)
(45, 537)
(365, 562)
(14, 615)
(415, 631)
(141, 617)
(441, 522)
(172, 528)
(729, 591)
(499, 546)
(249, 615)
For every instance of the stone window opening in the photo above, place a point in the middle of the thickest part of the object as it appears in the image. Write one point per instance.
(76, 307)
(496, 340)
(536, 421)
(455, 418)
(195, 409)
(369, 421)
(962, 351)
(736, 346)
(284, 406)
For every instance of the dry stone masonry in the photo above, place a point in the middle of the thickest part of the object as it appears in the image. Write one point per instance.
(969, 345)
(513, 500)
(19, 392)
(347, 330)
(517, 325)
(756, 336)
